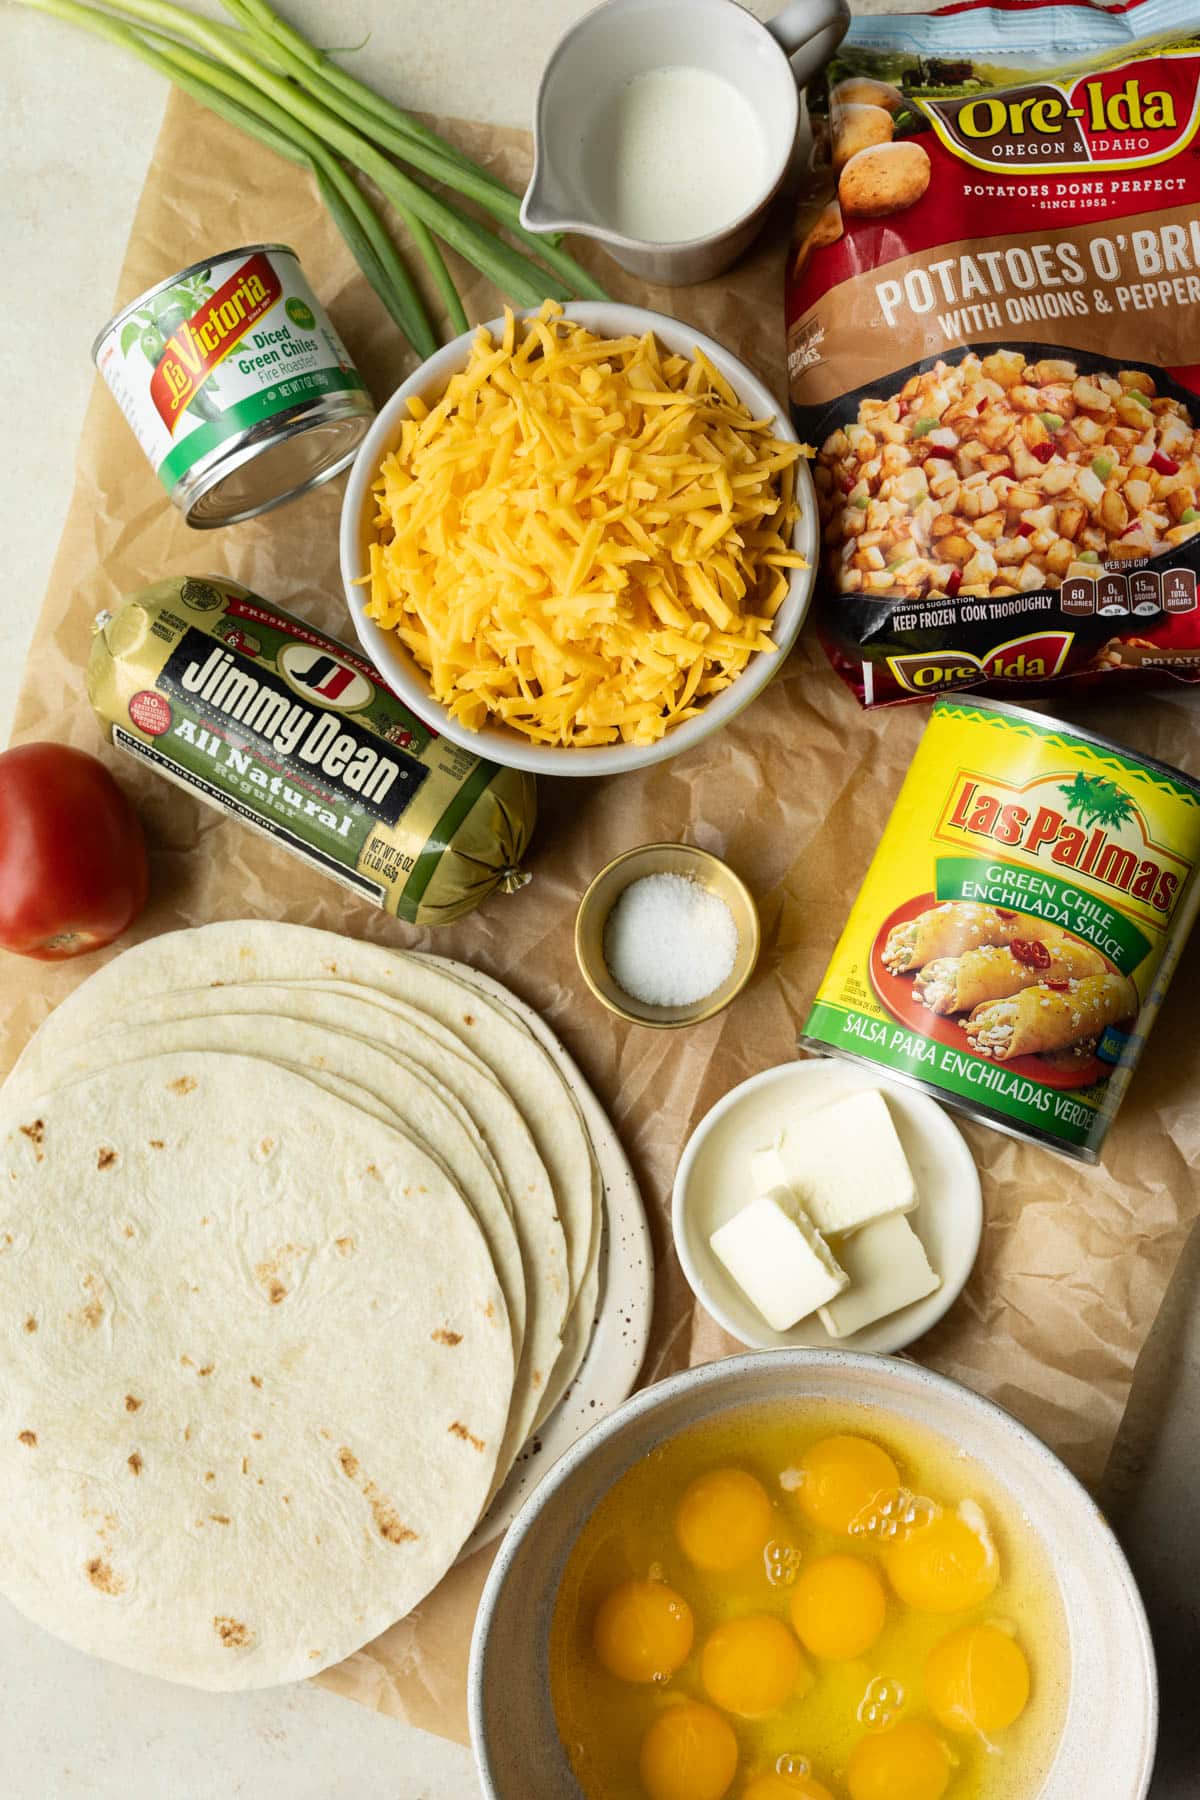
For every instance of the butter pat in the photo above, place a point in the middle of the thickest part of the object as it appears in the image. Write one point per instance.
(845, 1165)
(779, 1259)
(887, 1269)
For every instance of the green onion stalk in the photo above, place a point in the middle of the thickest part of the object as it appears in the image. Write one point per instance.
(351, 210)
(268, 81)
(404, 136)
(350, 207)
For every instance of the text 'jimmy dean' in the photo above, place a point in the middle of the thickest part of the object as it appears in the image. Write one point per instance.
(265, 708)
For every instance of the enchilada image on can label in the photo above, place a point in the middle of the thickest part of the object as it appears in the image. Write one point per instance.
(236, 384)
(1014, 936)
(292, 732)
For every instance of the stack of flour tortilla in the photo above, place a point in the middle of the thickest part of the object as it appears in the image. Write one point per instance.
(299, 1243)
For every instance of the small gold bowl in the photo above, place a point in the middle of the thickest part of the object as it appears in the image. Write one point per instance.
(664, 859)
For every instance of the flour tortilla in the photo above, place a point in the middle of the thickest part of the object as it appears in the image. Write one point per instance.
(388, 1026)
(255, 1369)
(260, 950)
(388, 1088)
(576, 1340)
(581, 1320)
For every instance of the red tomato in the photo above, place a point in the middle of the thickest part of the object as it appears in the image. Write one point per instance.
(72, 857)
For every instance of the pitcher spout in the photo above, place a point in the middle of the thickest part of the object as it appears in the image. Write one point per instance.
(545, 207)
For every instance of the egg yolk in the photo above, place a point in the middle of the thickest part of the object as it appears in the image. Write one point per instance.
(752, 1666)
(906, 1763)
(723, 1520)
(838, 1607)
(689, 1753)
(841, 1478)
(977, 1679)
(643, 1631)
(786, 1787)
(943, 1567)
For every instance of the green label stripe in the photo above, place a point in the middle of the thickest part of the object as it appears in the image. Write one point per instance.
(443, 831)
(1063, 1113)
(217, 794)
(1063, 903)
(1063, 740)
(252, 411)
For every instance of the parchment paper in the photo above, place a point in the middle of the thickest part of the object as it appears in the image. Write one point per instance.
(794, 793)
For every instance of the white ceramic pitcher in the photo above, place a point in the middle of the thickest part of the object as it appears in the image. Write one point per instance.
(621, 40)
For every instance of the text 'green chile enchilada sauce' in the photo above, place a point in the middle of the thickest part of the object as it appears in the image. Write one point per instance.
(1016, 931)
(293, 732)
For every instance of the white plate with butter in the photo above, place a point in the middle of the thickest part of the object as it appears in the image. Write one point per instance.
(719, 1177)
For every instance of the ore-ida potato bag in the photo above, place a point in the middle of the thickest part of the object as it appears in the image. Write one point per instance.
(993, 321)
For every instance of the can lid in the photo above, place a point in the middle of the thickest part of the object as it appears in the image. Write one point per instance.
(300, 455)
(1046, 723)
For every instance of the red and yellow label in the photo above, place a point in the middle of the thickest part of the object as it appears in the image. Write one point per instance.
(215, 329)
(1033, 656)
(1142, 112)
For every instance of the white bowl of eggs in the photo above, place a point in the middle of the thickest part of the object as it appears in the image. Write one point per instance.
(811, 1575)
(528, 571)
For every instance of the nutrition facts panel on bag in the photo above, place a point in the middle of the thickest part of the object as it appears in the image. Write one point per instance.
(1144, 595)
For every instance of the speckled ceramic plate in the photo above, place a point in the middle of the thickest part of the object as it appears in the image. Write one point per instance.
(625, 1301)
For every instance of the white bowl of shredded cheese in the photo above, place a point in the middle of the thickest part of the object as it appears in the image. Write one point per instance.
(499, 588)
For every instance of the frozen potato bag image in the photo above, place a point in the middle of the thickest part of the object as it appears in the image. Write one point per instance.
(993, 307)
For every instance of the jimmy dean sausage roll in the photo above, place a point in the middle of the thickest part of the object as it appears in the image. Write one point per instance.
(954, 928)
(1051, 1017)
(265, 717)
(955, 984)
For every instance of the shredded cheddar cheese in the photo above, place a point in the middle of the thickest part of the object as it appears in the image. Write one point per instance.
(584, 538)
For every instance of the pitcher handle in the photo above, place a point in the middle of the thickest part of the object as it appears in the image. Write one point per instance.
(810, 31)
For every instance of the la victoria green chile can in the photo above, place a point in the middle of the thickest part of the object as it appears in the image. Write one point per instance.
(236, 385)
(1017, 929)
(293, 732)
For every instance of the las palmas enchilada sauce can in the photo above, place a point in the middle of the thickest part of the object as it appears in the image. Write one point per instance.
(1014, 936)
(236, 385)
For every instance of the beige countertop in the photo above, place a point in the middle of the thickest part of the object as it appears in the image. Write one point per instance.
(77, 128)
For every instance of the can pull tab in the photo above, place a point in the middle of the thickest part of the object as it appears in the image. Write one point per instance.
(513, 880)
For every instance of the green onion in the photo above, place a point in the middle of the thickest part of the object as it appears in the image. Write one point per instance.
(862, 502)
(373, 250)
(271, 25)
(352, 212)
(1089, 556)
(1052, 421)
(1189, 515)
(267, 80)
(923, 427)
(489, 254)
(1103, 466)
(396, 132)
